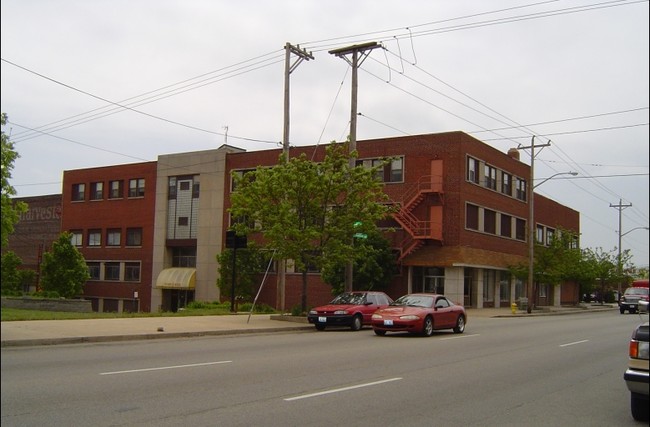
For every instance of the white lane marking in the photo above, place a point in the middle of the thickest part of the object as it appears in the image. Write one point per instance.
(460, 336)
(573, 343)
(336, 390)
(164, 367)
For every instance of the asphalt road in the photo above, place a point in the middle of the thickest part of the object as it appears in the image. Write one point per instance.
(537, 371)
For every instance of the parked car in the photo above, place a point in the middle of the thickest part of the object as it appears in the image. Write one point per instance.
(420, 313)
(630, 300)
(353, 309)
(636, 375)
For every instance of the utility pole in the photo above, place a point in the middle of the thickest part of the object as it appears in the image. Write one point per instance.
(359, 53)
(302, 55)
(530, 290)
(619, 267)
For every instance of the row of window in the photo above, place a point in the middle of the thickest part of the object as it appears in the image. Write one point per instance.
(488, 176)
(115, 190)
(118, 271)
(489, 221)
(112, 237)
(393, 171)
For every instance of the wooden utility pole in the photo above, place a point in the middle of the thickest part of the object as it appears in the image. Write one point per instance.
(530, 289)
(288, 69)
(359, 53)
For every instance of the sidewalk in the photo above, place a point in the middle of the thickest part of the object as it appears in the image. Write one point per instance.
(50, 332)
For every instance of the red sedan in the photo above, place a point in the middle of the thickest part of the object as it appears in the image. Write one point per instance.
(420, 314)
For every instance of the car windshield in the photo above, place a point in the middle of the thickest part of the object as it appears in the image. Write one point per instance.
(414, 301)
(636, 291)
(349, 298)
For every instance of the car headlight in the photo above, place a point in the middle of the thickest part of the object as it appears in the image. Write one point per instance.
(409, 317)
(377, 316)
(341, 312)
(313, 312)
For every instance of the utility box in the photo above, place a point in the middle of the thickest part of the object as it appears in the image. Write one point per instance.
(523, 303)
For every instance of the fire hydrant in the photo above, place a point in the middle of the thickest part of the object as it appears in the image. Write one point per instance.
(513, 307)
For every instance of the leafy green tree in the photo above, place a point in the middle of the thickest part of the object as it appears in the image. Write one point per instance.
(10, 211)
(306, 211)
(374, 266)
(249, 263)
(603, 269)
(11, 281)
(64, 269)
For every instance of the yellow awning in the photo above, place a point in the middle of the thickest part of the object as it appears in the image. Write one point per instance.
(177, 278)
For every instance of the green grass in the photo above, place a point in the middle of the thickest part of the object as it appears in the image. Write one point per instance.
(15, 314)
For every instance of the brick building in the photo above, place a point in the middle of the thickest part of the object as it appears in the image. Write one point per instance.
(110, 213)
(35, 231)
(151, 232)
(462, 220)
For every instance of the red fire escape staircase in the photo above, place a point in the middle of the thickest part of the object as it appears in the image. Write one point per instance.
(419, 230)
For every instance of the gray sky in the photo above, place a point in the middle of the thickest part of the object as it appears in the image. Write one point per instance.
(195, 74)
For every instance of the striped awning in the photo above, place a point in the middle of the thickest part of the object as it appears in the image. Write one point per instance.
(177, 278)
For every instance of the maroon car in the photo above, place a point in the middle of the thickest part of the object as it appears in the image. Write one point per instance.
(353, 309)
(420, 314)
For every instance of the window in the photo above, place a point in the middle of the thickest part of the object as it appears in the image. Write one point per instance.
(115, 190)
(171, 188)
(520, 189)
(539, 236)
(490, 177)
(489, 280)
(489, 221)
(78, 192)
(471, 217)
(94, 237)
(131, 271)
(134, 237)
(238, 175)
(550, 235)
(506, 184)
(506, 225)
(185, 185)
(94, 270)
(97, 191)
(195, 190)
(183, 220)
(77, 237)
(472, 170)
(136, 187)
(112, 271)
(184, 257)
(520, 229)
(113, 237)
(504, 286)
(397, 170)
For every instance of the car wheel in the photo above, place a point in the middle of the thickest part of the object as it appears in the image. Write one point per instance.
(622, 310)
(380, 333)
(460, 325)
(319, 327)
(427, 329)
(639, 407)
(357, 323)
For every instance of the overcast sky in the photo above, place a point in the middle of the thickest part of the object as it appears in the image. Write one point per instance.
(105, 82)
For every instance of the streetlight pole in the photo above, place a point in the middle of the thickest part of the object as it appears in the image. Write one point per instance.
(620, 239)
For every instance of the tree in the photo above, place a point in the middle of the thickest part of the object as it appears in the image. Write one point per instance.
(374, 266)
(603, 269)
(306, 211)
(10, 211)
(11, 280)
(560, 261)
(64, 269)
(249, 262)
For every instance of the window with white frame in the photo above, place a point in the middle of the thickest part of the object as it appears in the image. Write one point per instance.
(472, 170)
(78, 192)
(113, 237)
(115, 189)
(136, 187)
(520, 189)
(490, 177)
(506, 183)
(94, 237)
(97, 191)
(76, 238)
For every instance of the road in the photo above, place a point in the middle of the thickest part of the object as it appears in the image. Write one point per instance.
(542, 371)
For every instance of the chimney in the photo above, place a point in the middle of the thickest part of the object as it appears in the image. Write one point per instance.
(514, 153)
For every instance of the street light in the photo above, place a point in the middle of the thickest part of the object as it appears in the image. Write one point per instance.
(620, 267)
(531, 235)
